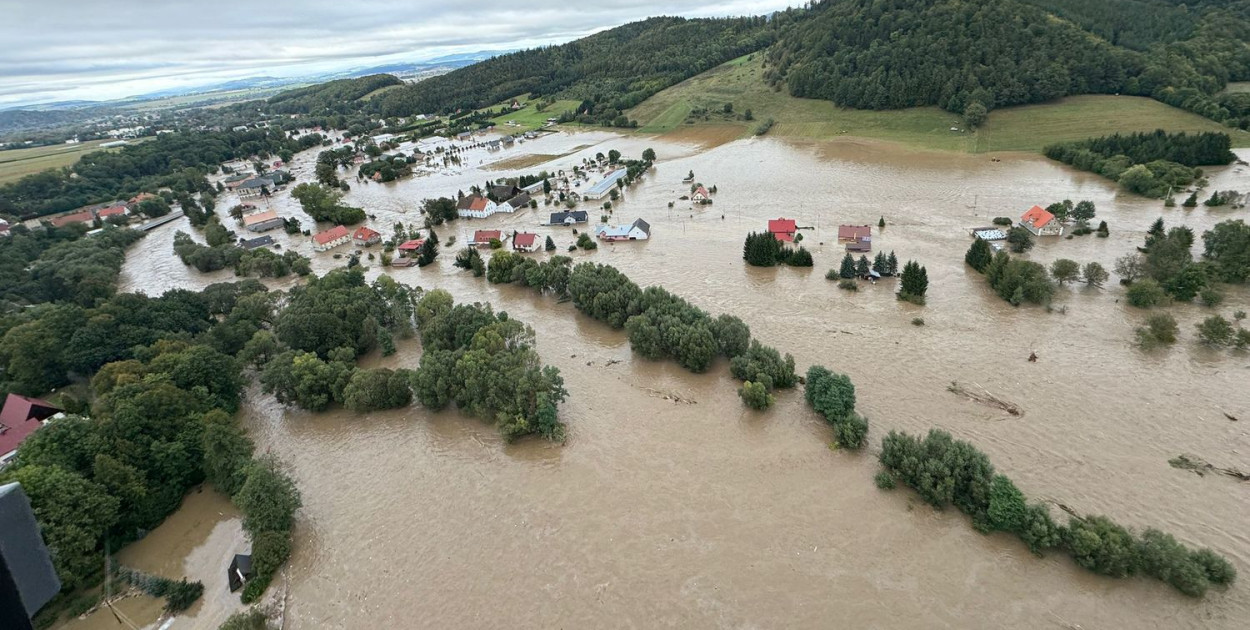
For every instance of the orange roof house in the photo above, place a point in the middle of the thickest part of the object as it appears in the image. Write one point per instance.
(1041, 222)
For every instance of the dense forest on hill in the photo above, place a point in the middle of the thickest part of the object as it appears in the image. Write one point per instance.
(333, 97)
(175, 160)
(962, 54)
(612, 71)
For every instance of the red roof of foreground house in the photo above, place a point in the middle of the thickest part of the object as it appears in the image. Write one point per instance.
(484, 236)
(332, 234)
(854, 232)
(111, 212)
(701, 191)
(524, 239)
(412, 246)
(1037, 217)
(364, 234)
(19, 418)
(782, 229)
(78, 217)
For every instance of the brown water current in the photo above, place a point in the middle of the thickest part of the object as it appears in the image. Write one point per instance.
(703, 514)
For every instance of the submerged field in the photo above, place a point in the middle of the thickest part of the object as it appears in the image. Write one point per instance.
(1026, 128)
(672, 505)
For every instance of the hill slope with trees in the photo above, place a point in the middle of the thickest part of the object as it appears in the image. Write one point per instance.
(971, 56)
(333, 97)
(609, 71)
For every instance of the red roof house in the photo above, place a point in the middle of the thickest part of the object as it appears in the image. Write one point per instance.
(331, 238)
(854, 233)
(411, 246)
(700, 194)
(782, 229)
(78, 217)
(114, 211)
(1041, 222)
(20, 417)
(482, 238)
(364, 236)
(525, 241)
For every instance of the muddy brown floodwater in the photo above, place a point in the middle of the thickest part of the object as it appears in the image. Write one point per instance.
(703, 514)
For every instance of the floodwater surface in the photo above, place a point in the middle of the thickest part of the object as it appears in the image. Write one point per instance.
(671, 505)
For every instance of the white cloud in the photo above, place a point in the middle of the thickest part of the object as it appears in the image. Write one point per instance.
(107, 49)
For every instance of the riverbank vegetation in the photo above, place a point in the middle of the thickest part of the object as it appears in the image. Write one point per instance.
(1149, 164)
(945, 471)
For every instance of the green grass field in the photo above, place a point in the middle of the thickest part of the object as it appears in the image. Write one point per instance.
(18, 163)
(529, 118)
(1027, 128)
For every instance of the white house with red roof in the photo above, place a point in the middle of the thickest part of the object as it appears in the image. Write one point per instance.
(1041, 222)
(364, 237)
(331, 238)
(700, 194)
(782, 229)
(20, 417)
(478, 207)
(525, 242)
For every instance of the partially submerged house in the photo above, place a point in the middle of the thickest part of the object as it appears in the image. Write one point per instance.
(535, 188)
(239, 572)
(253, 188)
(20, 417)
(259, 241)
(331, 238)
(364, 237)
(482, 238)
(1041, 222)
(849, 233)
(517, 203)
(700, 194)
(83, 216)
(604, 187)
(783, 229)
(476, 207)
(572, 217)
(525, 242)
(262, 221)
(639, 230)
(989, 234)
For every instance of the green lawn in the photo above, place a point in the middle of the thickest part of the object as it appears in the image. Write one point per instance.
(18, 163)
(1027, 128)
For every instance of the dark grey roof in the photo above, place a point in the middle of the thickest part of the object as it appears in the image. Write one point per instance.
(24, 551)
(579, 216)
(259, 241)
(646, 227)
(256, 183)
(519, 201)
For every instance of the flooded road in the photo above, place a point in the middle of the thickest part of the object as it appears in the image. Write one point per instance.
(708, 515)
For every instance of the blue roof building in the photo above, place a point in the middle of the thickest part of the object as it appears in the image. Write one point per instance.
(600, 190)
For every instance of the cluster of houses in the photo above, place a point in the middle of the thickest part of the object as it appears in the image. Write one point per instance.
(858, 238)
(476, 206)
(101, 211)
(248, 186)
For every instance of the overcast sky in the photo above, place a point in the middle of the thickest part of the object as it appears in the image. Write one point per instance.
(55, 50)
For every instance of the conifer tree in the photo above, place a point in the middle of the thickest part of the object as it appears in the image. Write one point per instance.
(979, 255)
(848, 267)
(891, 265)
(861, 266)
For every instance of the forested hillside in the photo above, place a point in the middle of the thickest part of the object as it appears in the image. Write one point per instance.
(611, 71)
(970, 56)
(333, 97)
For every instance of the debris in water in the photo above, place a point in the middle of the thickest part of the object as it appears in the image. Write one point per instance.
(1032, 357)
(1201, 467)
(985, 398)
(613, 361)
(655, 393)
(1229, 416)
